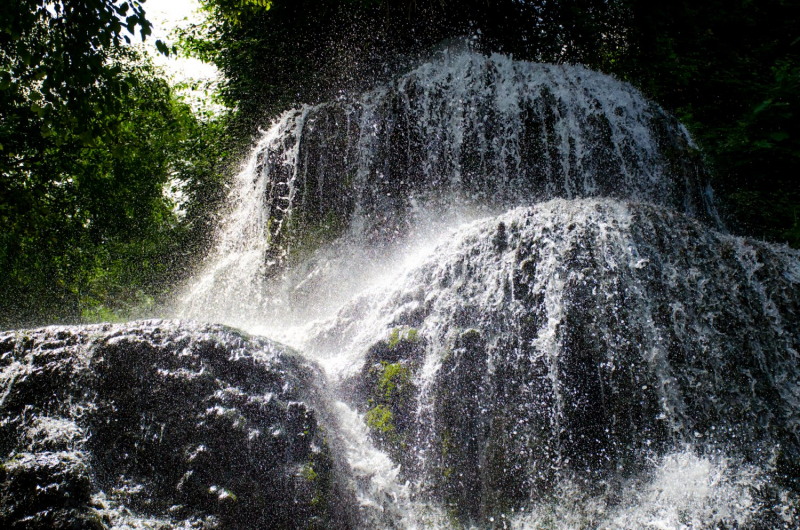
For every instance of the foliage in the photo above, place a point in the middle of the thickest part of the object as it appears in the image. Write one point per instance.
(731, 72)
(304, 51)
(57, 73)
(90, 137)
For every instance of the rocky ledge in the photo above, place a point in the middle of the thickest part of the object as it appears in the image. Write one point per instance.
(162, 424)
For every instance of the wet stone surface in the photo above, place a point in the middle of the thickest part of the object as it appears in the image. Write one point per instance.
(583, 342)
(161, 424)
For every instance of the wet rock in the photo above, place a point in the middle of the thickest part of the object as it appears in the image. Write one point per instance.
(589, 341)
(178, 424)
(385, 392)
(462, 131)
(461, 386)
(47, 490)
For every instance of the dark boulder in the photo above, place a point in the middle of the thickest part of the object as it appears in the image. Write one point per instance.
(582, 346)
(174, 424)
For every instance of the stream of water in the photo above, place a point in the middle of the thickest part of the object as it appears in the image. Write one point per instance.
(528, 311)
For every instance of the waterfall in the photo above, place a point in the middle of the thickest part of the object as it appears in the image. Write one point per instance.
(515, 276)
(565, 348)
(502, 299)
(453, 139)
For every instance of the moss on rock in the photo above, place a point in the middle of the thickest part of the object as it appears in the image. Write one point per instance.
(387, 392)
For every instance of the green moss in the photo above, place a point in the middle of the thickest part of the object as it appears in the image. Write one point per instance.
(390, 392)
(447, 449)
(398, 335)
(381, 419)
(308, 473)
(318, 476)
(395, 378)
(394, 338)
(447, 444)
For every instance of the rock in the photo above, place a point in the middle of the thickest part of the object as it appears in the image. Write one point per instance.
(166, 423)
(462, 133)
(47, 490)
(386, 393)
(579, 346)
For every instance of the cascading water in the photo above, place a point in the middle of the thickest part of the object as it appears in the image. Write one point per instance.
(517, 280)
(457, 138)
(514, 274)
(555, 355)
(526, 311)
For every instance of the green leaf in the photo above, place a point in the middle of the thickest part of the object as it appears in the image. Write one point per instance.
(162, 48)
(762, 106)
(779, 136)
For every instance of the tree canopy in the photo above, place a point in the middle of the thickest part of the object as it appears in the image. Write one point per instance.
(90, 137)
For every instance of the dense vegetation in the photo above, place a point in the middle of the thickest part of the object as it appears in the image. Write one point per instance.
(91, 135)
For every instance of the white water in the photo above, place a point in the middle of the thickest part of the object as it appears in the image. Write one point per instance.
(670, 303)
(466, 150)
(684, 491)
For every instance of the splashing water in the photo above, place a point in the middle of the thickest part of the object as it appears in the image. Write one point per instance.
(517, 282)
(455, 139)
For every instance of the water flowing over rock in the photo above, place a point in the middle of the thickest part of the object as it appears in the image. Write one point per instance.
(523, 308)
(571, 345)
(462, 132)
